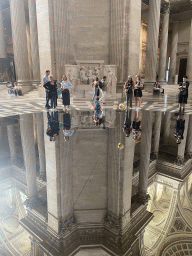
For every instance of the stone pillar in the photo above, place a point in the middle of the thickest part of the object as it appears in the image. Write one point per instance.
(134, 29)
(20, 44)
(40, 143)
(163, 47)
(173, 59)
(34, 42)
(125, 37)
(152, 44)
(27, 139)
(12, 142)
(53, 175)
(189, 138)
(189, 60)
(147, 119)
(157, 131)
(167, 123)
(127, 181)
(181, 147)
(3, 53)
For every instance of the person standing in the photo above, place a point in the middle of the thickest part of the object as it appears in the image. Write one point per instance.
(95, 85)
(103, 89)
(129, 85)
(46, 80)
(183, 93)
(65, 85)
(137, 91)
(51, 86)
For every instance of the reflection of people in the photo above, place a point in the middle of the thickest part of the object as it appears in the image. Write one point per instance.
(51, 87)
(97, 110)
(179, 129)
(127, 123)
(46, 80)
(136, 125)
(183, 93)
(67, 126)
(129, 84)
(157, 88)
(103, 89)
(52, 125)
(95, 85)
(65, 85)
(102, 119)
(137, 91)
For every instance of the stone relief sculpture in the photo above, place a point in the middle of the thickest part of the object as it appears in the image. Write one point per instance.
(83, 77)
(112, 80)
(69, 75)
(91, 76)
(98, 73)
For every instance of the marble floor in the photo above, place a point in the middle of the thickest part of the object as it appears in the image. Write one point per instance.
(35, 101)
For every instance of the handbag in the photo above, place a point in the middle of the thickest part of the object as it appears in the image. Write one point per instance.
(183, 92)
(58, 92)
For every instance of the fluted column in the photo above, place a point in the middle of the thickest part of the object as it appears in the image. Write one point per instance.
(27, 139)
(152, 43)
(34, 41)
(173, 59)
(189, 138)
(163, 47)
(181, 146)
(53, 175)
(3, 53)
(12, 141)
(167, 124)
(20, 44)
(146, 135)
(157, 131)
(40, 143)
(189, 60)
(134, 28)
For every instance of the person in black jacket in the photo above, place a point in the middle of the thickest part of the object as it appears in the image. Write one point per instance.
(51, 86)
(52, 125)
(183, 93)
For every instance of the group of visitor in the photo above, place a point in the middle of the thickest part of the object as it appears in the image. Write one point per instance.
(137, 86)
(13, 89)
(52, 90)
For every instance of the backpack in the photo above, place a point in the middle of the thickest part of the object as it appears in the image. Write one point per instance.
(100, 85)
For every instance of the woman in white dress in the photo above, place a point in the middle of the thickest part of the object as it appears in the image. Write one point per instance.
(65, 85)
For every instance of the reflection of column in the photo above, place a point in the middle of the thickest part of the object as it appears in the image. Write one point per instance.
(27, 139)
(127, 181)
(189, 60)
(52, 155)
(34, 41)
(157, 131)
(152, 41)
(146, 135)
(173, 59)
(40, 141)
(167, 123)
(189, 138)
(3, 53)
(181, 147)
(12, 141)
(20, 43)
(163, 47)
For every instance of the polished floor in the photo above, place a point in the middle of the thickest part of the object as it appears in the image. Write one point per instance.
(35, 101)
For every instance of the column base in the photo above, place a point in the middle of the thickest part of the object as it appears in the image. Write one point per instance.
(36, 83)
(148, 86)
(26, 86)
(142, 197)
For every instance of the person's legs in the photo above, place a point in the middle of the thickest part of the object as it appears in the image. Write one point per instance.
(47, 99)
(130, 99)
(94, 94)
(52, 99)
(102, 95)
(139, 102)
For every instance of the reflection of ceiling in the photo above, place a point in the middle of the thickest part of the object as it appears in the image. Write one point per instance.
(177, 6)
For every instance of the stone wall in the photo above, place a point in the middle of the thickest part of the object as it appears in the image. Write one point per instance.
(89, 22)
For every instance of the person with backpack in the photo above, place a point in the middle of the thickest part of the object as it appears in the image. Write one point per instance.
(103, 89)
(129, 85)
(138, 91)
(183, 93)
